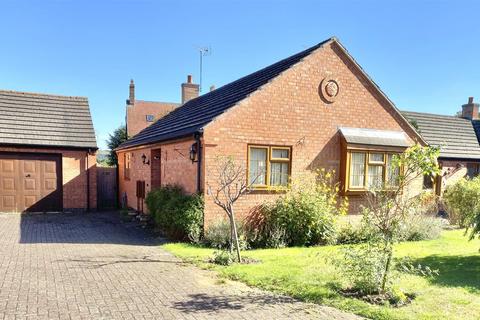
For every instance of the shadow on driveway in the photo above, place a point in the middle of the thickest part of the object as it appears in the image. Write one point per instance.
(205, 302)
(83, 228)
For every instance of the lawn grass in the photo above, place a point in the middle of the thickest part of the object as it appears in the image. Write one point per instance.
(306, 273)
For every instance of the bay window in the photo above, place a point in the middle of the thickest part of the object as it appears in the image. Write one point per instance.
(370, 170)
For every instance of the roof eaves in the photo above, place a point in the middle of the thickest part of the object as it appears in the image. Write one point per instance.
(124, 146)
(42, 95)
(49, 146)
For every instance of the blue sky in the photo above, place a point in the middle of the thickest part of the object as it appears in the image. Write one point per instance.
(425, 55)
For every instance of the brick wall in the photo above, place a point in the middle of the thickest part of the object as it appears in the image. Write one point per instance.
(137, 113)
(452, 171)
(289, 111)
(74, 175)
(174, 164)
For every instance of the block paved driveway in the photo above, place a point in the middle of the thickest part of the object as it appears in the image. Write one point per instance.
(92, 266)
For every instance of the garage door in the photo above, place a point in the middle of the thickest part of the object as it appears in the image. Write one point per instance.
(30, 183)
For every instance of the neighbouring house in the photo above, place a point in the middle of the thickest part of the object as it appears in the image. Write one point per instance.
(47, 153)
(140, 113)
(458, 139)
(315, 109)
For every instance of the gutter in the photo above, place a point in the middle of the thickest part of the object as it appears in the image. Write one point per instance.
(197, 135)
(88, 181)
(140, 145)
(458, 159)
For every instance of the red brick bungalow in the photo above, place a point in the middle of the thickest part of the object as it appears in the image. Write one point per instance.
(315, 109)
(47, 153)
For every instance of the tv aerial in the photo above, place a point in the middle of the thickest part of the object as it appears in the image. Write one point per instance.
(203, 51)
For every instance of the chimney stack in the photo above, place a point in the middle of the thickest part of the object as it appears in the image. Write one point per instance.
(190, 90)
(470, 110)
(212, 87)
(131, 96)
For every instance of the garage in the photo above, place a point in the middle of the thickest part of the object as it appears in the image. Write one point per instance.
(30, 183)
(47, 153)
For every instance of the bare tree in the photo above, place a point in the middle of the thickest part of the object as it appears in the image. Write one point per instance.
(231, 184)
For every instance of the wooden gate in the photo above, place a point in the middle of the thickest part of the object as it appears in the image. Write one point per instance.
(106, 188)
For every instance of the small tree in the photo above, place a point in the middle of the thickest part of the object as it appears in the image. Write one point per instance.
(389, 204)
(114, 140)
(230, 185)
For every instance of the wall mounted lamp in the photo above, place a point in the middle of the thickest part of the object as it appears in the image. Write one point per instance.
(144, 159)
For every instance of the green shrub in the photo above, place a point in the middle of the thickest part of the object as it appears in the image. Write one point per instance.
(305, 220)
(265, 233)
(305, 214)
(418, 227)
(217, 235)
(351, 233)
(178, 214)
(362, 266)
(428, 203)
(222, 257)
(275, 237)
(414, 227)
(463, 202)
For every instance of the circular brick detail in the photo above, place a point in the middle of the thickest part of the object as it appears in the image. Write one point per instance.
(329, 89)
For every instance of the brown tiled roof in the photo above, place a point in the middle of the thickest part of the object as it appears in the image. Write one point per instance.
(45, 120)
(455, 136)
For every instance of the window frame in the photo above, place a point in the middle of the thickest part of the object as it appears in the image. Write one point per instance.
(348, 189)
(127, 165)
(269, 161)
(431, 180)
(348, 169)
(476, 169)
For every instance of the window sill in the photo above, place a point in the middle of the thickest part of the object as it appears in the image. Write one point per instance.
(353, 192)
(266, 190)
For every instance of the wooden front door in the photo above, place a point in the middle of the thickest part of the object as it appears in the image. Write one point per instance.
(30, 182)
